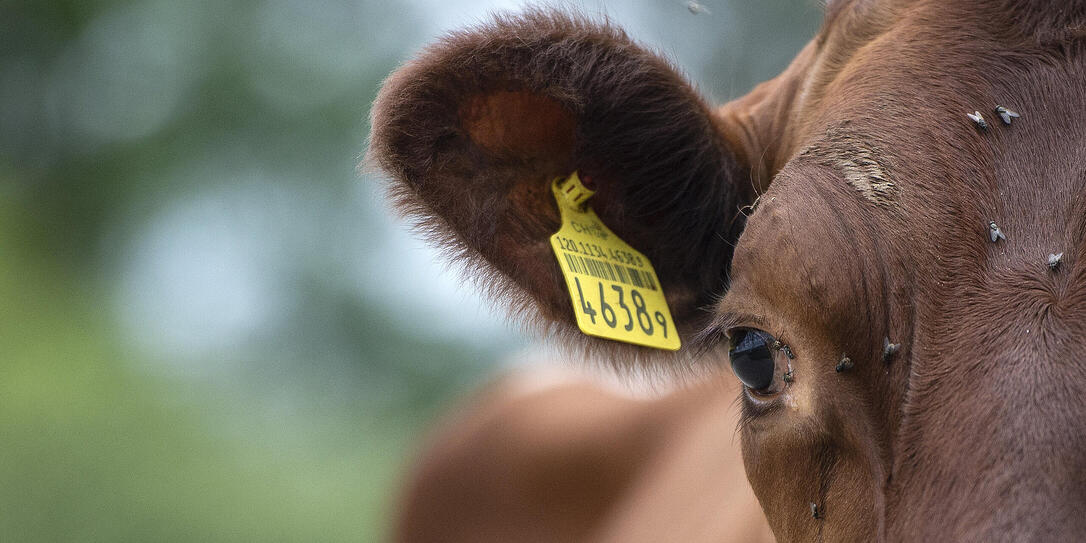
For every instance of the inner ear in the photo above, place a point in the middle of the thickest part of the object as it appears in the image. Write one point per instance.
(474, 130)
(519, 123)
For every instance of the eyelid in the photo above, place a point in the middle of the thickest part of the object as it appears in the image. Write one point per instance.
(729, 332)
(758, 332)
(731, 320)
(723, 325)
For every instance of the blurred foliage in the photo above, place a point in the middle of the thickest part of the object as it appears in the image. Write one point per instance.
(96, 452)
(196, 339)
(111, 113)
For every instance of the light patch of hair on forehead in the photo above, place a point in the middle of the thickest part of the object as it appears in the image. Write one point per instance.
(863, 164)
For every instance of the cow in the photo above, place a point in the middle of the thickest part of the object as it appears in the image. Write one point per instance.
(883, 244)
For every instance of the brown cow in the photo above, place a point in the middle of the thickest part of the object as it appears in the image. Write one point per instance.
(870, 233)
(536, 458)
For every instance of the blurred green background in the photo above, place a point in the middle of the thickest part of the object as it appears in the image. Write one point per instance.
(211, 327)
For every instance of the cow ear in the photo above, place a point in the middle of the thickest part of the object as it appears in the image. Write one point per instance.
(473, 131)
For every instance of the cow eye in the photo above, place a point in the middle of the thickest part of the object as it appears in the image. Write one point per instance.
(752, 358)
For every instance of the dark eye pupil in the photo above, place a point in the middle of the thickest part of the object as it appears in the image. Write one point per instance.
(752, 358)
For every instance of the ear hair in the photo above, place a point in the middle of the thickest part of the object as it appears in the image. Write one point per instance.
(472, 131)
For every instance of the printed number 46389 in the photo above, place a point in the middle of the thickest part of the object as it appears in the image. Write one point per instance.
(610, 318)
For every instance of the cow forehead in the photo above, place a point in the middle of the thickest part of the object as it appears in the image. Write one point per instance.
(811, 242)
(865, 164)
(883, 112)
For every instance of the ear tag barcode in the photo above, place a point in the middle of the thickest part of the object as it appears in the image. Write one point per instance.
(614, 289)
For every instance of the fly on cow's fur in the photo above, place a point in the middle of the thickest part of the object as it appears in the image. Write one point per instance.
(844, 365)
(889, 350)
(784, 348)
(995, 233)
(1006, 115)
(978, 120)
(788, 352)
(789, 374)
(1054, 260)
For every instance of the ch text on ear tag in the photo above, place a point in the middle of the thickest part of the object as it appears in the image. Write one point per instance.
(614, 288)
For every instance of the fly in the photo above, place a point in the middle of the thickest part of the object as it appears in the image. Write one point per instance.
(1054, 261)
(1006, 115)
(844, 365)
(889, 350)
(994, 233)
(697, 9)
(978, 119)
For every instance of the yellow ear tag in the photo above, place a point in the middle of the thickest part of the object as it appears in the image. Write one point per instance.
(614, 288)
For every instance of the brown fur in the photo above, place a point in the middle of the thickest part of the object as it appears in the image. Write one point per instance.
(567, 461)
(876, 193)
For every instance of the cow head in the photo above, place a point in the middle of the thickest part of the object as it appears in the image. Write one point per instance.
(908, 378)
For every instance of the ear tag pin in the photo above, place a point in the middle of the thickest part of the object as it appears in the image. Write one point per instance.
(614, 289)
